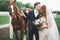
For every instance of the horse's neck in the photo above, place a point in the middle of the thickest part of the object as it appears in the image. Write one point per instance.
(19, 11)
(17, 8)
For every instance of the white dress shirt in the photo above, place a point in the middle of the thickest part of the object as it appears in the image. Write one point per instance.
(36, 12)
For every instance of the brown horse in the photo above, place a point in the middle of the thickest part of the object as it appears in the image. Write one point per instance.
(17, 20)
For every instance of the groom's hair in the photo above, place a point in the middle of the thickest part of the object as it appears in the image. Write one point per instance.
(36, 4)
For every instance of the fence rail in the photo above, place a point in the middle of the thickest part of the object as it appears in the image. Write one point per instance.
(7, 25)
(4, 13)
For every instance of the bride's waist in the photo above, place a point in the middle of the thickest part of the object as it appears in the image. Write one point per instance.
(45, 29)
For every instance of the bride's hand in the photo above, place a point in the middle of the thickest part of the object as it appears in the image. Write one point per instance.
(41, 28)
(37, 23)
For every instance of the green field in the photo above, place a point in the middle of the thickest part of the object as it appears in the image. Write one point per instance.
(14, 38)
(5, 19)
(58, 23)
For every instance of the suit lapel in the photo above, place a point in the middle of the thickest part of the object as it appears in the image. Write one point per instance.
(33, 14)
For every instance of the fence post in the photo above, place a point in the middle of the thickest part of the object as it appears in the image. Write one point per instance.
(10, 26)
(11, 30)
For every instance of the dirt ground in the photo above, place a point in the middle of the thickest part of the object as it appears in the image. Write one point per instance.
(3, 33)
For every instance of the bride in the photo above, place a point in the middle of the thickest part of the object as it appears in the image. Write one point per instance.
(48, 30)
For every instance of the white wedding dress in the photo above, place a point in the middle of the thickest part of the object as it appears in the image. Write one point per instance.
(52, 32)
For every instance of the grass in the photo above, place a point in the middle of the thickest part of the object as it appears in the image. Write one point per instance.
(14, 38)
(58, 23)
(4, 20)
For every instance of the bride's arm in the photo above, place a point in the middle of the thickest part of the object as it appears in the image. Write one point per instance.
(45, 24)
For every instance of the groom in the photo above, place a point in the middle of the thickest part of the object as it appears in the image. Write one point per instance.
(32, 16)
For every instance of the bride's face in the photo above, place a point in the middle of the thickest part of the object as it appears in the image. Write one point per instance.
(43, 8)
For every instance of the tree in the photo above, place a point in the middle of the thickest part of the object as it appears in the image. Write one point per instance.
(3, 5)
(19, 4)
(28, 5)
(58, 12)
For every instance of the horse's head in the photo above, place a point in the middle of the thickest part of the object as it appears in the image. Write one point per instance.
(12, 8)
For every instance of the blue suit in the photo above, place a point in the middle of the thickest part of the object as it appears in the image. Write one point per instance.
(32, 28)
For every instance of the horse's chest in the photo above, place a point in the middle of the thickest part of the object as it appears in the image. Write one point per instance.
(17, 24)
(17, 27)
(14, 21)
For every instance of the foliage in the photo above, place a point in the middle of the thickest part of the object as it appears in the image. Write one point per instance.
(58, 12)
(19, 4)
(4, 5)
(28, 5)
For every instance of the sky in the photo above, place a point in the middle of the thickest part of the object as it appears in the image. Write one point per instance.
(53, 4)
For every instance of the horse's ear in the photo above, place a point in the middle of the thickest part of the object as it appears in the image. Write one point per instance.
(14, 1)
(7, 1)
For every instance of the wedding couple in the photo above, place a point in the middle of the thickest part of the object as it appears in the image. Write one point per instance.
(43, 26)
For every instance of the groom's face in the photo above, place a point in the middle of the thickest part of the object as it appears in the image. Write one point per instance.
(38, 6)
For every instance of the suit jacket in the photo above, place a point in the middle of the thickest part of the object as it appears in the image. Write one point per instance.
(31, 17)
(25, 12)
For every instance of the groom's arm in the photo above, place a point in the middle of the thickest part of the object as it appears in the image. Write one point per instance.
(26, 17)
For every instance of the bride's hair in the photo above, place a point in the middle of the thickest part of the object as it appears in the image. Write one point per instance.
(43, 10)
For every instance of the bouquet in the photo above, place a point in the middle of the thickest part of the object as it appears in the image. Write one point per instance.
(41, 23)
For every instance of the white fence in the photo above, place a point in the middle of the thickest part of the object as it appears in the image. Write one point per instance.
(7, 25)
(4, 14)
